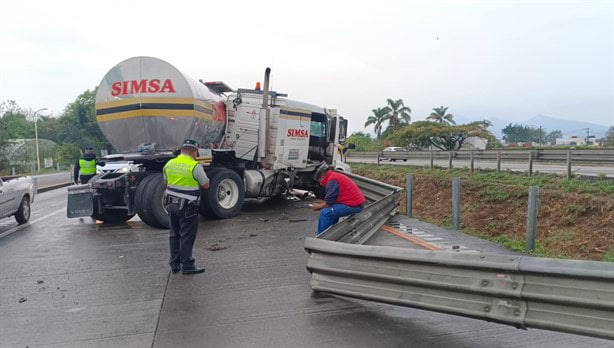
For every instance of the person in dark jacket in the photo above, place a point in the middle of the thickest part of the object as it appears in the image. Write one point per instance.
(85, 167)
(342, 198)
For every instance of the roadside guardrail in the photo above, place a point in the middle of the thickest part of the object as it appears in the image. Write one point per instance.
(522, 291)
(568, 157)
(579, 156)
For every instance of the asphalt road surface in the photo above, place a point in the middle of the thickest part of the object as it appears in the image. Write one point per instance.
(513, 166)
(78, 283)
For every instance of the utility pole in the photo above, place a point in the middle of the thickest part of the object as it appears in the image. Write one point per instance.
(38, 161)
(587, 135)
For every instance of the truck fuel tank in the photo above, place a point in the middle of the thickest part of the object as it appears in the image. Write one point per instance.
(147, 100)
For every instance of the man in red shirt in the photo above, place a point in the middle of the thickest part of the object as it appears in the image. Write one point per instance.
(342, 198)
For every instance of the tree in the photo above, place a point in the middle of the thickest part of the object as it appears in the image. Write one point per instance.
(378, 117)
(78, 123)
(552, 136)
(364, 142)
(439, 115)
(398, 114)
(518, 133)
(443, 136)
(609, 137)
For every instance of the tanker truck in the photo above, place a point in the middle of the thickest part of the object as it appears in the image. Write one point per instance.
(256, 142)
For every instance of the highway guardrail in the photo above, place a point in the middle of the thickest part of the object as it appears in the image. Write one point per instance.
(525, 292)
(577, 156)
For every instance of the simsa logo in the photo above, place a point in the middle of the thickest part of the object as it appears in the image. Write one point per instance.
(142, 86)
(298, 133)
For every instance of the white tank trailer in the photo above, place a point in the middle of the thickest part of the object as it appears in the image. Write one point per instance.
(256, 142)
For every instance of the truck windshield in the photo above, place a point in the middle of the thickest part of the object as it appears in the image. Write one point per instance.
(318, 129)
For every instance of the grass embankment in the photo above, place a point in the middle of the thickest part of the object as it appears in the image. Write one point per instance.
(575, 218)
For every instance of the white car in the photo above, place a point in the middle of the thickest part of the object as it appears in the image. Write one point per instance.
(16, 195)
(389, 153)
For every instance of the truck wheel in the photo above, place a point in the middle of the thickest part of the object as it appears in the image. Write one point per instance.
(111, 216)
(152, 202)
(140, 201)
(23, 213)
(224, 198)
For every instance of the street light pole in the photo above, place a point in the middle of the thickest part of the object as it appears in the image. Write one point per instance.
(38, 160)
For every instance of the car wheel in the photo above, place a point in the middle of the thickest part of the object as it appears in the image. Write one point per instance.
(23, 213)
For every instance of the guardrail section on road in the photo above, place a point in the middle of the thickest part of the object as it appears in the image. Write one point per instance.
(560, 295)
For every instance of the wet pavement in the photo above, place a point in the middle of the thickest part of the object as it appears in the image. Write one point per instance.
(72, 283)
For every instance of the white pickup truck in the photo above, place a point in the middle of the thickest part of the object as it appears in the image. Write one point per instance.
(16, 195)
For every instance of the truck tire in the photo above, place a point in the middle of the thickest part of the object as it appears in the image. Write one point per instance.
(23, 213)
(152, 202)
(111, 216)
(140, 202)
(225, 196)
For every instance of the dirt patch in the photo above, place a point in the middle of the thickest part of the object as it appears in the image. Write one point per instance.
(574, 225)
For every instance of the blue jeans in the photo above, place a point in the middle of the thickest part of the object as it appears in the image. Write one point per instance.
(330, 216)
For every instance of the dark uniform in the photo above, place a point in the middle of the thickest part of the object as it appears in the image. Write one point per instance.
(184, 177)
(85, 167)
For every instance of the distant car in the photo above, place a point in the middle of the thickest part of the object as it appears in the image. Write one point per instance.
(389, 153)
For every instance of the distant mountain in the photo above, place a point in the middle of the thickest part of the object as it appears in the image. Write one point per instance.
(568, 127)
(549, 123)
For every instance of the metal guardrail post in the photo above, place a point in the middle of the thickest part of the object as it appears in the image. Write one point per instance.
(378, 158)
(568, 164)
(456, 203)
(498, 161)
(471, 159)
(530, 163)
(532, 218)
(450, 160)
(409, 183)
(431, 158)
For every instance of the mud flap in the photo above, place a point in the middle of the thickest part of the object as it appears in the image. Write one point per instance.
(80, 201)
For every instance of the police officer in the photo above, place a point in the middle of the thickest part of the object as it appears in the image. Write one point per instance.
(184, 178)
(85, 167)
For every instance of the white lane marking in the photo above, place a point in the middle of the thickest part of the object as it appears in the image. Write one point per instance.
(430, 239)
(20, 227)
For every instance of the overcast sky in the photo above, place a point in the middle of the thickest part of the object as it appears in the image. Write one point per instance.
(482, 59)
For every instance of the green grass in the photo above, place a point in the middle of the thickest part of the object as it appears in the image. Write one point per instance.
(515, 244)
(609, 256)
(544, 181)
(494, 195)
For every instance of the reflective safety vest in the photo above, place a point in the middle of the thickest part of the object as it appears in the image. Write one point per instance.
(180, 181)
(87, 167)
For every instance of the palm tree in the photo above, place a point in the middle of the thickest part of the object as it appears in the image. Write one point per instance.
(398, 114)
(378, 117)
(439, 115)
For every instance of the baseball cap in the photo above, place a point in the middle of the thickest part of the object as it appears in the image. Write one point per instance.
(190, 143)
